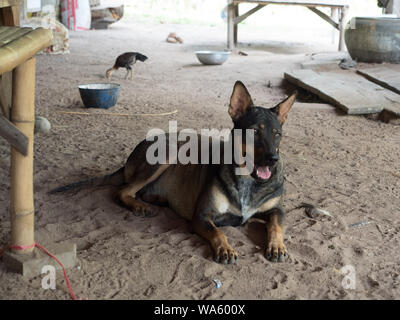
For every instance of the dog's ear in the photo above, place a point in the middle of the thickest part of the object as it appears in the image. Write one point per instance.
(240, 101)
(283, 108)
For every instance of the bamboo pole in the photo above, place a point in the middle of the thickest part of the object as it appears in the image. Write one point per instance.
(16, 52)
(23, 117)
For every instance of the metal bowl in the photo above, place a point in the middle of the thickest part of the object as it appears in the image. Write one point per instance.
(212, 57)
(99, 95)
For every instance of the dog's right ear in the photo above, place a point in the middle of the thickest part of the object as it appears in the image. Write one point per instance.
(240, 101)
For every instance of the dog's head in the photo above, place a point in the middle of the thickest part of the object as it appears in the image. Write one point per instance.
(267, 126)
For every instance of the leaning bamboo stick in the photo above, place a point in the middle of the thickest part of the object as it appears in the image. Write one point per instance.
(23, 117)
(118, 114)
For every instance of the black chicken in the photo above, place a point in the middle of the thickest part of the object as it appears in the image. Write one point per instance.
(126, 60)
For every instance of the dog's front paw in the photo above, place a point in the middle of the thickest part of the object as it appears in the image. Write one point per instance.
(225, 254)
(276, 251)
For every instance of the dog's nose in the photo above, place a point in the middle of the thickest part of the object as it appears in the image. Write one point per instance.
(272, 159)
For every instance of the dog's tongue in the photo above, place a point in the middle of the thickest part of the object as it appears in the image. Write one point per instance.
(263, 172)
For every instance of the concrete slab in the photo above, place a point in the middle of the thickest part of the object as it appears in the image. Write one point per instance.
(30, 265)
(320, 64)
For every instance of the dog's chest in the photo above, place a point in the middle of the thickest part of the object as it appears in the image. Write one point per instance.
(245, 198)
(241, 201)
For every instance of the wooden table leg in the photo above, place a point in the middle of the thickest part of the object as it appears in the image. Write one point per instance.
(230, 23)
(23, 117)
(235, 25)
(335, 18)
(342, 26)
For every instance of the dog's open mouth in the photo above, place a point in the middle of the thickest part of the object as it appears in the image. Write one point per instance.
(262, 173)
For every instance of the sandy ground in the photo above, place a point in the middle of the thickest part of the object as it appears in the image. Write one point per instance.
(348, 165)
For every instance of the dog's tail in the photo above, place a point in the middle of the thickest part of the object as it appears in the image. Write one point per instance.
(113, 179)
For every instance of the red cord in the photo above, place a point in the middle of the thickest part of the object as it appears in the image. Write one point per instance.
(71, 292)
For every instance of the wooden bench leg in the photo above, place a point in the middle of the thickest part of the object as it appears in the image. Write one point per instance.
(342, 26)
(235, 25)
(231, 15)
(335, 18)
(23, 117)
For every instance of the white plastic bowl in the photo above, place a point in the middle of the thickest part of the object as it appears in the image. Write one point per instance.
(212, 57)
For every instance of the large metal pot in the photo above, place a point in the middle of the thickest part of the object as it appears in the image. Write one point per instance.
(373, 39)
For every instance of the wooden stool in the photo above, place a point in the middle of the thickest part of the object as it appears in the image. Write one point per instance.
(18, 47)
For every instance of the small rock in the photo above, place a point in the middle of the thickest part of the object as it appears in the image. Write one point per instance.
(42, 125)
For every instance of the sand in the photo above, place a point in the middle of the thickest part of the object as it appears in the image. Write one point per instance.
(347, 165)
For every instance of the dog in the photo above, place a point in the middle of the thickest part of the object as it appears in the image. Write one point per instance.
(211, 196)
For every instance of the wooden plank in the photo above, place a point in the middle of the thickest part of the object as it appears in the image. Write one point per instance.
(387, 77)
(308, 3)
(14, 137)
(346, 90)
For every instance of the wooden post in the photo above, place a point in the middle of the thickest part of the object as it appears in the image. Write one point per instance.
(334, 17)
(231, 14)
(23, 117)
(342, 26)
(235, 25)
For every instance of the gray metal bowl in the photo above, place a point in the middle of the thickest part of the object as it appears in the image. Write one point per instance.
(212, 57)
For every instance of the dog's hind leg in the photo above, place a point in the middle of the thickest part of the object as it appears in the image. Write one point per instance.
(127, 195)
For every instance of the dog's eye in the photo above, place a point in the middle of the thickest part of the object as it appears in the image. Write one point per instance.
(277, 135)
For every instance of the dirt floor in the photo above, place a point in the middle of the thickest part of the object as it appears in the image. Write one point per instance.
(347, 165)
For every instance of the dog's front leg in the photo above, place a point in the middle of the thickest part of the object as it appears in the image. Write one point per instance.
(275, 250)
(223, 252)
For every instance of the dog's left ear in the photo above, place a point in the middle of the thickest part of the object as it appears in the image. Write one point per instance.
(283, 108)
(240, 101)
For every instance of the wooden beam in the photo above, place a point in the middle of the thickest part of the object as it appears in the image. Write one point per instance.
(14, 137)
(239, 19)
(325, 17)
(306, 3)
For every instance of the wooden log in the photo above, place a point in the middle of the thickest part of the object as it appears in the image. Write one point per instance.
(13, 136)
(23, 116)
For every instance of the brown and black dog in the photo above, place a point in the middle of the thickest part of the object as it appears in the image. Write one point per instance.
(213, 195)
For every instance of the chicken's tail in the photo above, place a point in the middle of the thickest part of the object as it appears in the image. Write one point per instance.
(114, 179)
(141, 57)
